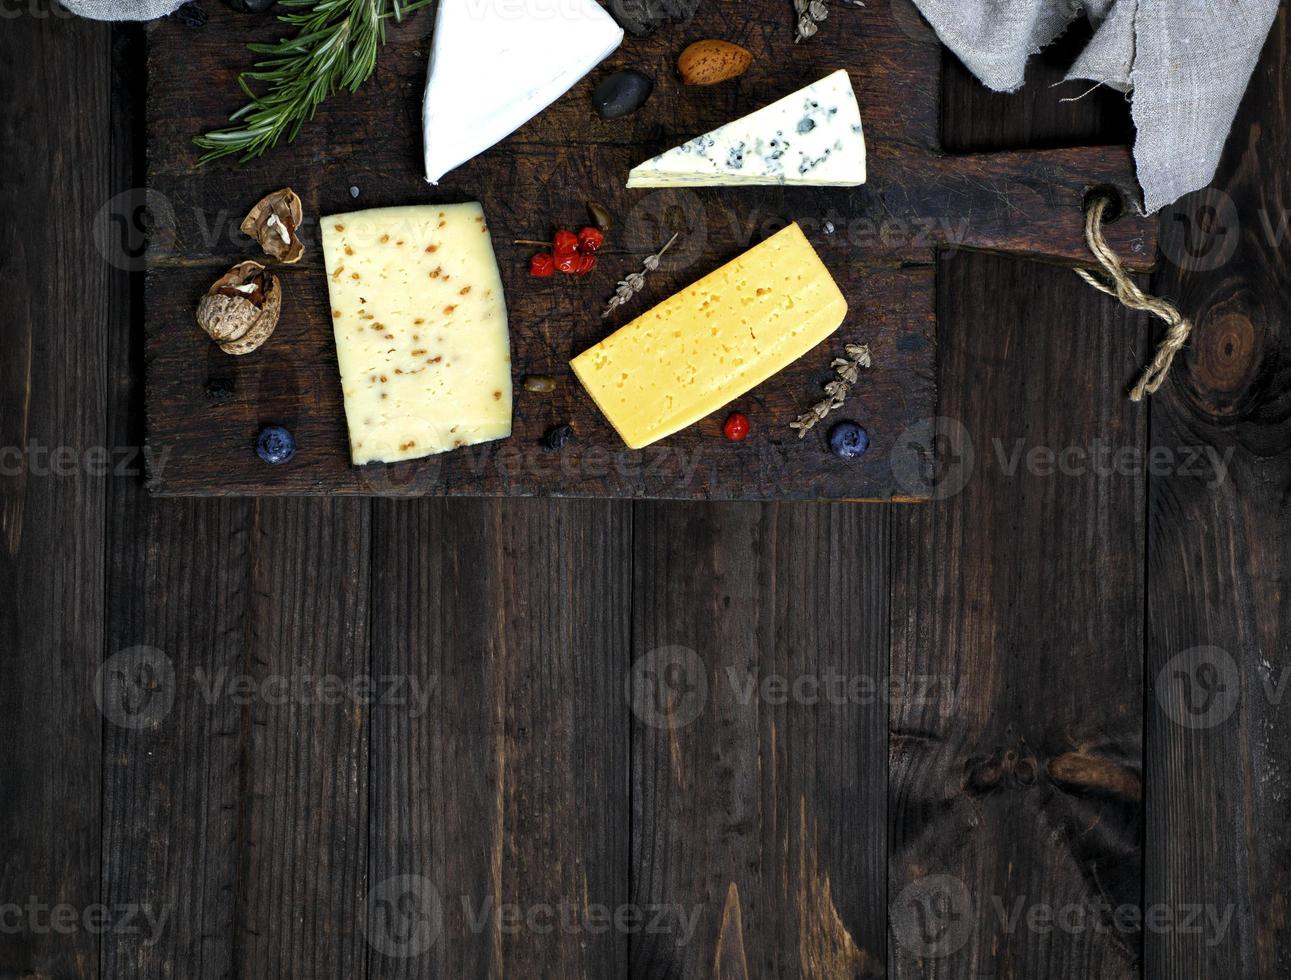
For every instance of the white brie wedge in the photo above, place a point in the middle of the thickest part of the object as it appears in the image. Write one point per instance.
(813, 137)
(495, 64)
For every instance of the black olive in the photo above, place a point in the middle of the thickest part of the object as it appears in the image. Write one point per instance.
(191, 15)
(556, 437)
(219, 389)
(621, 93)
(251, 6)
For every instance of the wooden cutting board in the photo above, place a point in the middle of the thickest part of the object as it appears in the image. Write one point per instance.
(879, 241)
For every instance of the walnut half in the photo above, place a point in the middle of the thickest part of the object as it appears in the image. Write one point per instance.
(274, 221)
(240, 311)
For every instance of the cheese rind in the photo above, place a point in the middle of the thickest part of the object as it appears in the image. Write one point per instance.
(495, 64)
(713, 341)
(811, 137)
(421, 330)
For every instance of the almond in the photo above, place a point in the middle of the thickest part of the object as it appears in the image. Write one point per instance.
(710, 62)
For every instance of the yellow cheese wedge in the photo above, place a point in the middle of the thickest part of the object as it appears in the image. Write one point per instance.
(712, 342)
(421, 330)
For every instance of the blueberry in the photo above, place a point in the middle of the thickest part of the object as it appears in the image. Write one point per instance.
(848, 440)
(275, 444)
(556, 437)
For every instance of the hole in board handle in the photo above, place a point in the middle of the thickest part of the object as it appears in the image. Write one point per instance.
(1116, 202)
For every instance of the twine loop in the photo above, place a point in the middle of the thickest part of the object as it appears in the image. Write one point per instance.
(1121, 286)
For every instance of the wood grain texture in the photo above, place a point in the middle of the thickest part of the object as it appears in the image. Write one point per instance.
(177, 583)
(1020, 591)
(500, 811)
(759, 693)
(305, 784)
(53, 321)
(880, 248)
(1219, 626)
(1017, 790)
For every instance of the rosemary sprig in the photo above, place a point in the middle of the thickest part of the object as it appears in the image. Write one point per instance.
(335, 48)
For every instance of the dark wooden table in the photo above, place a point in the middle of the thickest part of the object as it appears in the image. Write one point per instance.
(1024, 727)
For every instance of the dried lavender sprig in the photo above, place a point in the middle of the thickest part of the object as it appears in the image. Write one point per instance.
(811, 13)
(848, 371)
(635, 282)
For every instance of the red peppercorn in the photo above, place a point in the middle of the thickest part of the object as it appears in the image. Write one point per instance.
(736, 427)
(542, 265)
(586, 263)
(590, 239)
(567, 262)
(564, 242)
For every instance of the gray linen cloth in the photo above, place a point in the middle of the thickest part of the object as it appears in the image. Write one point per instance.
(122, 9)
(1187, 63)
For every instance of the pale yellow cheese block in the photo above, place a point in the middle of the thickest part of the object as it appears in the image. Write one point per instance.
(421, 330)
(713, 341)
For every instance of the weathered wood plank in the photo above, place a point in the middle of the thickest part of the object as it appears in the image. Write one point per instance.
(500, 807)
(177, 598)
(178, 603)
(1020, 591)
(759, 693)
(1219, 624)
(304, 836)
(53, 319)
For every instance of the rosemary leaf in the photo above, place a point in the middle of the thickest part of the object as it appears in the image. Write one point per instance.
(334, 48)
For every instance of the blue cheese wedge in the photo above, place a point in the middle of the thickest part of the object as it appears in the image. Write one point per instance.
(812, 137)
(495, 64)
(421, 330)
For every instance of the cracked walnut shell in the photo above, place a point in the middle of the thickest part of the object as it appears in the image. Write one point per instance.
(240, 310)
(273, 222)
